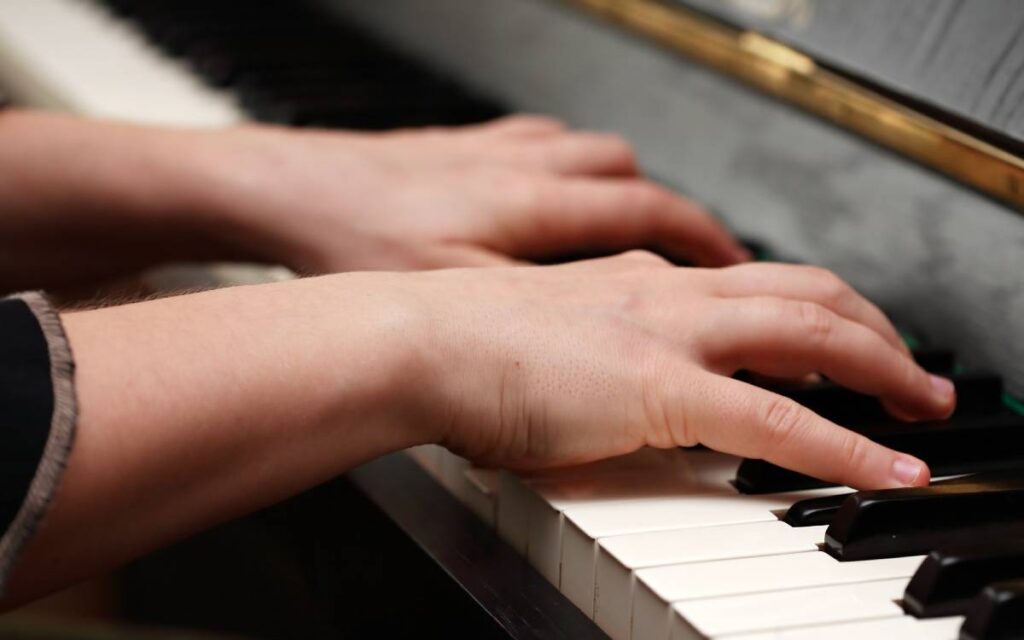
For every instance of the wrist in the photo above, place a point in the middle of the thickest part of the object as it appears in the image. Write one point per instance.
(264, 189)
(386, 364)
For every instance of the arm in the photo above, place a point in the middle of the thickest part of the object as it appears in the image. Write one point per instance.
(197, 409)
(200, 408)
(81, 200)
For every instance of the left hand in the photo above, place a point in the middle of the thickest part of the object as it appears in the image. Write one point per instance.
(518, 189)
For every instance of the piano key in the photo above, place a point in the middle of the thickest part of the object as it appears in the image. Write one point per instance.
(950, 578)
(977, 392)
(820, 511)
(759, 612)
(896, 522)
(483, 494)
(585, 525)
(934, 360)
(814, 511)
(620, 556)
(963, 444)
(428, 456)
(546, 521)
(71, 55)
(276, 46)
(905, 628)
(475, 488)
(997, 613)
(522, 494)
(659, 588)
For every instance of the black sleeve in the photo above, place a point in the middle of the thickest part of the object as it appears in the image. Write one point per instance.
(37, 417)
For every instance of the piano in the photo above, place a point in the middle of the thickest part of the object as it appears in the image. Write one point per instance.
(879, 139)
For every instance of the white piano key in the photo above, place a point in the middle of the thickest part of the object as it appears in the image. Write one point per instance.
(514, 511)
(905, 628)
(659, 587)
(476, 488)
(715, 617)
(525, 495)
(547, 524)
(586, 524)
(73, 55)
(482, 494)
(428, 456)
(618, 557)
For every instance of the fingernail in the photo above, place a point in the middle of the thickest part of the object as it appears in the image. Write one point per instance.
(907, 471)
(943, 388)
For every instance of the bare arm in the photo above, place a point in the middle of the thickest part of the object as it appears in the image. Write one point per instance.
(82, 199)
(201, 408)
(198, 409)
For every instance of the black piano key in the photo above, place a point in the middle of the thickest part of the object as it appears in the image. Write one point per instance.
(757, 249)
(940, 361)
(997, 613)
(977, 392)
(963, 444)
(818, 511)
(981, 509)
(291, 62)
(814, 511)
(950, 578)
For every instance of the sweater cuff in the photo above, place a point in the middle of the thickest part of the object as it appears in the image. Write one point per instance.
(58, 443)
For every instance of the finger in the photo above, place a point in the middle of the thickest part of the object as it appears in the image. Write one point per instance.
(785, 338)
(520, 126)
(630, 260)
(814, 284)
(579, 154)
(738, 418)
(463, 256)
(558, 216)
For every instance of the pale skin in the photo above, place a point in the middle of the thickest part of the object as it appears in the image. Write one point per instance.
(199, 408)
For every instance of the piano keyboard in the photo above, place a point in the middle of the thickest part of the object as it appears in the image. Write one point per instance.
(210, 64)
(662, 545)
(654, 545)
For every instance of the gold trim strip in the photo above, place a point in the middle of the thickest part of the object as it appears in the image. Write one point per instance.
(794, 77)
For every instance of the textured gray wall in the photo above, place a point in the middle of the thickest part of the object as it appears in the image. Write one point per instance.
(945, 261)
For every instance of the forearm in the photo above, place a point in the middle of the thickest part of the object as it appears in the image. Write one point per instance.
(83, 199)
(198, 409)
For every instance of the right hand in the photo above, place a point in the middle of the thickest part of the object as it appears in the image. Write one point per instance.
(547, 366)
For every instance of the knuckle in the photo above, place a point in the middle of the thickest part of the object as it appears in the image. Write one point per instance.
(910, 372)
(661, 418)
(645, 197)
(529, 193)
(664, 411)
(532, 122)
(644, 258)
(833, 288)
(816, 321)
(620, 148)
(855, 451)
(783, 420)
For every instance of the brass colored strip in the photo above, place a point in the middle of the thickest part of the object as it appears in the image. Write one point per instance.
(790, 75)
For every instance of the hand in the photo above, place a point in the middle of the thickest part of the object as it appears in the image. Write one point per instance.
(521, 188)
(560, 365)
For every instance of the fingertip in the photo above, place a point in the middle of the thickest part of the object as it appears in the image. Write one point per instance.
(741, 254)
(907, 471)
(944, 392)
(935, 399)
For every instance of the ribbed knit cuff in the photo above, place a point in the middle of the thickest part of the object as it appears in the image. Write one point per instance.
(59, 442)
